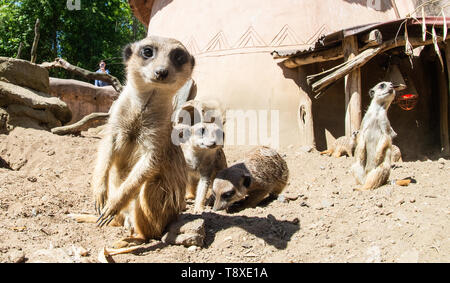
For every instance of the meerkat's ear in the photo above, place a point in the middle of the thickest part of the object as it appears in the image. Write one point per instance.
(192, 61)
(247, 181)
(371, 93)
(127, 52)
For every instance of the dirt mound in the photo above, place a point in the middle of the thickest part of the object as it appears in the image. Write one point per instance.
(318, 218)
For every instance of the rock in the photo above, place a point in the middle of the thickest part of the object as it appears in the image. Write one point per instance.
(193, 248)
(291, 196)
(43, 116)
(282, 199)
(326, 203)
(32, 179)
(17, 257)
(187, 231)
(14, 94)
(24, 73)
(82, 98)
(441, 161)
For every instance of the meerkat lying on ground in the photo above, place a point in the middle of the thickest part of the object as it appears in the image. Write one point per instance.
(140, 175)
(263, 172)
(374, 144)
(342, 146)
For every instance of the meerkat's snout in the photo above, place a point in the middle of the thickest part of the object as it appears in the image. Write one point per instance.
(230, 190)
(161, 73)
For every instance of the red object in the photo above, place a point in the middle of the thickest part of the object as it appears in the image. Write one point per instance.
(407, 101)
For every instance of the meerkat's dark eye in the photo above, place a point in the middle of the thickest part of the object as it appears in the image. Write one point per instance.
(147, 52)
(383, 85)
(178, 57)
(228, 194)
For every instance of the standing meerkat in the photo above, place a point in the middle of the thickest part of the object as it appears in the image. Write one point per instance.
(140, 175)
(203, 122)
(204, 157)
(264, 172)
(342, 146)
(396, 154)
(374, 144)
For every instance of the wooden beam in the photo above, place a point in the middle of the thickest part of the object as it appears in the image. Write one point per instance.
(444, 99)
(322, 81)
(352, 88)
(331, 54)
(371, 39)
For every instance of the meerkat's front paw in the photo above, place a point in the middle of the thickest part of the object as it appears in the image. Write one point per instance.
(109, 212)
(100, 197)
(189, 196)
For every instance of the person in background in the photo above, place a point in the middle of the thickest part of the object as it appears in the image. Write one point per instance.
(102, 69)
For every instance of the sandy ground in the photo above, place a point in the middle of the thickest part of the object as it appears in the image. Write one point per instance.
(325, 220)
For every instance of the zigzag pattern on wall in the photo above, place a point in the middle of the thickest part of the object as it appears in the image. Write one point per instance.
(251, 39)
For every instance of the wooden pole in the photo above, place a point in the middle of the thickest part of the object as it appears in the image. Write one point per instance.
(352, 88)
(35, 41)
(444, 99)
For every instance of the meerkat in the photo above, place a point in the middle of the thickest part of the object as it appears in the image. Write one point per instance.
(3, 123)
(342, 146)
(204, 156)
(374, 143)
(140, 175)
(396, 154)
(264, 172)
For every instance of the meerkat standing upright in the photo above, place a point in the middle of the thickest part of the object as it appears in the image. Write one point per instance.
(205, 157)
(203, 149)
(140, 175)
(374, 144)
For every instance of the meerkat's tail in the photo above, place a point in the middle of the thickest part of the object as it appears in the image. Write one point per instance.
(327, 152)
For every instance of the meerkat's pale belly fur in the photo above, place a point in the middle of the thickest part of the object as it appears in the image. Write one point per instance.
(134, 138)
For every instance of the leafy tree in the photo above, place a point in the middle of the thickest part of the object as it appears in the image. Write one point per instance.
(98, 31)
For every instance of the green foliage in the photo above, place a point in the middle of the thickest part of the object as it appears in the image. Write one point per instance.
(98, 31)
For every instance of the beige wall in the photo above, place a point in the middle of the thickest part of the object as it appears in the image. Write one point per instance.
(232, 41)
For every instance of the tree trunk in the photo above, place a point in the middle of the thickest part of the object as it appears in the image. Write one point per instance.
(35, 42)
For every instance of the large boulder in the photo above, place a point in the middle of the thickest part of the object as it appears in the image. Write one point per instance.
(24, 73)
(32, 101)
(82, 98)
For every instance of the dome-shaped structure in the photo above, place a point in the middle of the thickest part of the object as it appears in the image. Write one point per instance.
(232, 41)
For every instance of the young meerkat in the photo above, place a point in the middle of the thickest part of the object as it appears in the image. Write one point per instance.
(140, 175)
(342, 146)
(204, 157)
(374, 144)
(264, 172)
